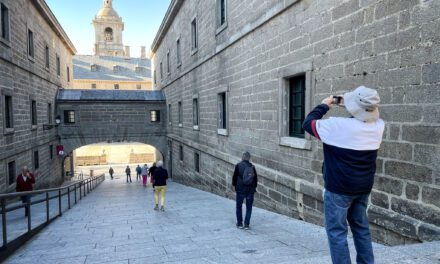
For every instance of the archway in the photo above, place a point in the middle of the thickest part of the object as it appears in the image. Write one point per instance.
(108, 33)
(96, 158)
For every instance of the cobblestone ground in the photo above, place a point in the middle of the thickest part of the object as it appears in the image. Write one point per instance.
(116, 224)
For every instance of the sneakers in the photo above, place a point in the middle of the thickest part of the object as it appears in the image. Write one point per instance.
(239, 226)
(156, 207)
(246, 227)
(162, 209)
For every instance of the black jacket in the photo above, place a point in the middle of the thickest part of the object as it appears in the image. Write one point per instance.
(160, 177)
(237, 178)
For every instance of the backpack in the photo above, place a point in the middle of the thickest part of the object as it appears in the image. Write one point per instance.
(249, 175)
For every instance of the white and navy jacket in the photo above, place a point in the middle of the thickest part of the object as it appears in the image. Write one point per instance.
(350, 150)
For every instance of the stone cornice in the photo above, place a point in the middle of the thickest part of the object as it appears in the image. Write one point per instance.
(50, 18)
(171, 13)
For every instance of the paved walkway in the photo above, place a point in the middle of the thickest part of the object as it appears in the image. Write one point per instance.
(116, 224)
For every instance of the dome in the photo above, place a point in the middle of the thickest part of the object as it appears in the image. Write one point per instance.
(107, 12)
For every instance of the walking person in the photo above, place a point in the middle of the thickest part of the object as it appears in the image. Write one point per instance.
(128, 172)
(111, 171)
(25, 182)
(350, 152)
(144, 172)
(138, 172)
(245, 183)
(160, 177)
(151, 172)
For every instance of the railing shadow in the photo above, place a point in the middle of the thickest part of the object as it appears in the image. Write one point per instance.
(44, 206)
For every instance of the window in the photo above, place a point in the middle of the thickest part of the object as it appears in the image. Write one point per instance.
(154, 77)
(180, 113)
(195, 112)
(296, 106)
(11, 172)
(4, 16)
(68, 74)
(69, 117)
(197, 162)
(221, 12)
(93, 67)
(9, 116)
(194, 38)
(181, 153)
(155, 116)
(33, 113)
(58, 66)
(49, 113)
(116, 68)
(140, 69)
(222, 110)
(51, 152)
(168, 63)
(116, 86)
(30, 42)
(108, 34)
(46, 56)
(138, 86)
(178, 53)
(169, 114)
(36, 160)
(161, 71)
(93, 85)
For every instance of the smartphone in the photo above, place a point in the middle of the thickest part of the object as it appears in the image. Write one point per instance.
(337, 100)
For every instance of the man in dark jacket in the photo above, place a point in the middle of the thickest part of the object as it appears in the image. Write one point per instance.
(128, 172)
(160, 177)
(243, 190)
(350, 151)
(24, 184)
(138, 172)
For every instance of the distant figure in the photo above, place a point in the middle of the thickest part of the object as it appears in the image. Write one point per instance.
(25, 180)
(144, 173)
(128, 172)
(138, 172)
(245, 182)
(111, 171)
(151, 172)
(160, 177)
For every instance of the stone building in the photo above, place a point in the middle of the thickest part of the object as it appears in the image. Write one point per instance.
(111, 66)
(35, 62)
(241, 75)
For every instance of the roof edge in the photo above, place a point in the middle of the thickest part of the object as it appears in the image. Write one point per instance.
(53, 22)
(173, 9)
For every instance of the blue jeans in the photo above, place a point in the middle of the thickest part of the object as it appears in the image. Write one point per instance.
(239, 202)
(339, 209)
(26, 199)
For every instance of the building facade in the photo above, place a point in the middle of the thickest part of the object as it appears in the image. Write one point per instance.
(35, 62)
(241, 75)
(111, 67)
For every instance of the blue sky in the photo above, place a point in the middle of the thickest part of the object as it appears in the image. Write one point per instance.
(142, 19)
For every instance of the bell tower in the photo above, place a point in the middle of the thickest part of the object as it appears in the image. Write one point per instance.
(108, 31)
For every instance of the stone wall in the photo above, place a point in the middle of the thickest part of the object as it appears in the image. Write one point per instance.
(392, 46)
(27, 79)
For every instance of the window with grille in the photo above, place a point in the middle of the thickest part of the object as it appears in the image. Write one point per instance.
(36, 160)
(222, 110)
(58, 66)
(197, 162)
(49, 113)
(69, 116)
(155, 116)
(178, 53)
(195, 112)
(180, 113)
(221, 12)
(33, 113)
(30, 42)
(194, 37)
(296, 106)
(181, 153)
(46, 56)
(116, 86)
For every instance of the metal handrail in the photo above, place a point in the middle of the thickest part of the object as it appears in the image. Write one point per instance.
(84, 187)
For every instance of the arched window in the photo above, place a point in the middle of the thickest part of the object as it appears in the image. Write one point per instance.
(108, 34)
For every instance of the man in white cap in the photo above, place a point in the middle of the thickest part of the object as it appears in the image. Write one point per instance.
(350, 152)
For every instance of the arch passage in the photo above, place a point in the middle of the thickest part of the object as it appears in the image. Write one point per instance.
(108, 33)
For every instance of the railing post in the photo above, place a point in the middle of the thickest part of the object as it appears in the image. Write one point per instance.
(68, 196)
(59, 202)
(5, 238)
(47, 207)
(80, 190)
(75, 191)
(28, 203)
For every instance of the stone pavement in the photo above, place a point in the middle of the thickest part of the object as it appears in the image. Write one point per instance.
(116, 224)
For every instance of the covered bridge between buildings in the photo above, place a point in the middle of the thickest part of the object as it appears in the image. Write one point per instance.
(95, 116)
